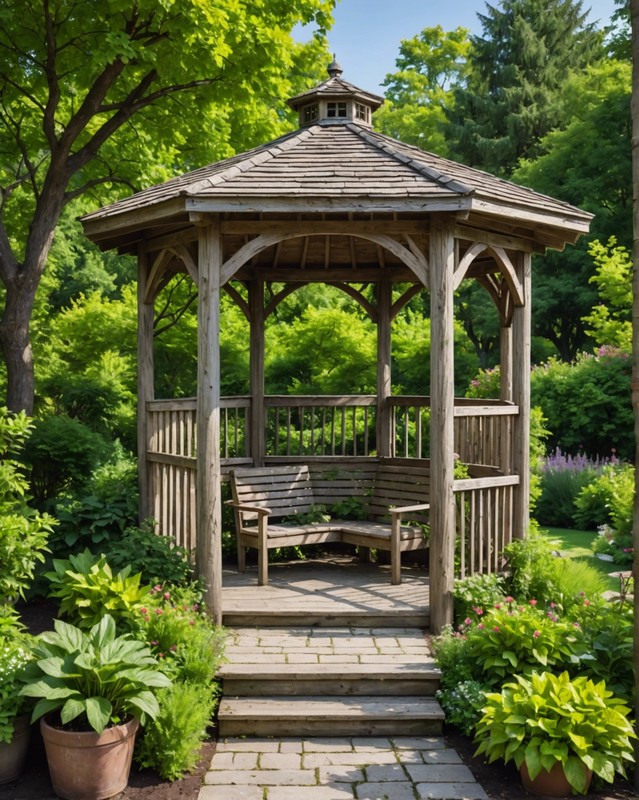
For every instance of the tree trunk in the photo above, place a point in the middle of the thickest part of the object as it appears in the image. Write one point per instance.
(16, 346)
(634, 11)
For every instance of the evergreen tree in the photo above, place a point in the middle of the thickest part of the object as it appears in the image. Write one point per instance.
(519, 64)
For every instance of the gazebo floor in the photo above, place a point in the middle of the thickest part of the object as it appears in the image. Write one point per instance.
(330, 591)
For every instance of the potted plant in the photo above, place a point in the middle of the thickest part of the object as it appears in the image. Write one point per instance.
(14, 719)
(555, 727)
(93, 691)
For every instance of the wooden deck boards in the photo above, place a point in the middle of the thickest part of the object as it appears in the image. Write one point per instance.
(326, 592)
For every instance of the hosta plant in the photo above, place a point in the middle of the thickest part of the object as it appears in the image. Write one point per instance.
(550, 718)
(93, 679)
(87, 589)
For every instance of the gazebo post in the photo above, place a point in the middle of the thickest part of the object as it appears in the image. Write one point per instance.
(442, 516)
(384, 300)
(506, 363)
(209, 501)
(256, 356)
(146, 391)
(522, 327)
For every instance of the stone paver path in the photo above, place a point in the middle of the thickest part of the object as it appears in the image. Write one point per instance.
(345, 768)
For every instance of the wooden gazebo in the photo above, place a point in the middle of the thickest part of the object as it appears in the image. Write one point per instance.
(338, 203)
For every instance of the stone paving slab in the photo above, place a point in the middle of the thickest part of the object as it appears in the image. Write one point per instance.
(344, 768)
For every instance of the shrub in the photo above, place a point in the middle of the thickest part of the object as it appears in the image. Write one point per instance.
(88, 589)
(518, 639)
(451, 654)
(15, 654)
(608, 496)
(171, 743)
(463, 704)
(531, 566)
(476, 591)
(23, 531)
(156, 557)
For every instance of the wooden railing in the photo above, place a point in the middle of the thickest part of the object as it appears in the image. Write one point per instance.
(483, 431)
(320, 426)
(484, 520)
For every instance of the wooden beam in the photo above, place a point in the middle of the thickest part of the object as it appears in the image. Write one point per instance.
(258, 421)
(328, 204)
(209, 508)
(384, 410)
(442, 540)
(332, 227)
(521, 396)
(341, 275)
(145, 384)
(472, 234)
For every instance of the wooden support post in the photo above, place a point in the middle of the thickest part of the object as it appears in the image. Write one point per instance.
(506, 363)
(442, 508)
(146, 391)
(384, 427)
(257, 419)
(209, 501)
(521, 395)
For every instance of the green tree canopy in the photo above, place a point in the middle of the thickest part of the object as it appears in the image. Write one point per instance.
(519, 65)
(103, 95)
(419, 94)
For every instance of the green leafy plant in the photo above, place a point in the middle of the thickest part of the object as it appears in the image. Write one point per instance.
(93, 679)
(547, 719)
(23, 531)
(172, 741)
(15, 653)
(315, 515)
(476, 591)
(513, 638)
(157, 558)
(530, 568)
(463, 704)
(87, 589)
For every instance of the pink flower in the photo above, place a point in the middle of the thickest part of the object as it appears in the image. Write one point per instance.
(533, 602)
(553, 605)
(173, 648)
(536, 634)
(166, 595)
(478, 610)
(575, 625)
(467, 621)
(586, 602)
(158, 611)
(144, 611)
(510, 599)
(496, 628)
(481, 626)
(497, 605)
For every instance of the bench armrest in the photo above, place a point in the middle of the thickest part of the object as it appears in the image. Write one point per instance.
(407, 509)
(261, 511)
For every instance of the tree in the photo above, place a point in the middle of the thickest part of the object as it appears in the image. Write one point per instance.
(586, 163)
(104, 96)
(420, 92)
(519, 64)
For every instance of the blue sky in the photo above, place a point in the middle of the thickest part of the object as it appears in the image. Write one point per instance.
(367, 33)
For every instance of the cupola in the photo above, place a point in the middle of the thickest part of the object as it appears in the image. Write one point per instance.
(335, 101)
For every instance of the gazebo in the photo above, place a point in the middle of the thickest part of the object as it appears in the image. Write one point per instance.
(338, 203)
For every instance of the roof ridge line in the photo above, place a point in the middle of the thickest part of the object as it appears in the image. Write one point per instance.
(258, 155)
(439, 177)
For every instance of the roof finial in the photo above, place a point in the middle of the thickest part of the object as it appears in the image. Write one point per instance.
(334, 69)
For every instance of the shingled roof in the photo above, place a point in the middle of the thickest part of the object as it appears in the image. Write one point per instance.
(337, 165)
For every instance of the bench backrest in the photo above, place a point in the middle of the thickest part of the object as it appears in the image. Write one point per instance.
(399, 485)
(285, 490)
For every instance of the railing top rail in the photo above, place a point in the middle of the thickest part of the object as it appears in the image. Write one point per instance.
(292, 400)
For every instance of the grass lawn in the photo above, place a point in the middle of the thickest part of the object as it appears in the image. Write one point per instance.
(576, 544)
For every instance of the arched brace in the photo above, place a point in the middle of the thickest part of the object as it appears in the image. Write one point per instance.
(505, 265)
(469, 256)
(156, 275)
(183, 253)
(238, 300)
(404, 299)
(414, 259)
(501, 296)
(283, 293)
(359, 298)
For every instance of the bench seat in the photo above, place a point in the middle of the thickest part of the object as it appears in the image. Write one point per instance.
(266, 502)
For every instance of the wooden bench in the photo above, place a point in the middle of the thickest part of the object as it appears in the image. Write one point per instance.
(271, 504)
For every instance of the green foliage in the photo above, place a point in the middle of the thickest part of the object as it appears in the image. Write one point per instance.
(419, 93)
(177, 628)
(171, 743)
(15, 653)
(586, 404)
(549, 719)
(350, 508)
(519, 639)
(607, 498)
(559, 492)
(61, 451)
(23, 531)
(476, 591)
(462, 704)
(87, 589)
(451, 654)
(610, 319)
(531, 567)
(97, 678)
(157, 558)
(519, 66)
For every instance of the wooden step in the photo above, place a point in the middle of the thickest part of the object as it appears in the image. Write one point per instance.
(244, 617)
(253, 680)
(330, 716)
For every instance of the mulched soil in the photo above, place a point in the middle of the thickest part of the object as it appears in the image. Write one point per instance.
(500, 782)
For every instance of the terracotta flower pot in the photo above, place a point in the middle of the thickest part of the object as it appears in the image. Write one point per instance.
(87, 765)
(13, 753)
(550, 783)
